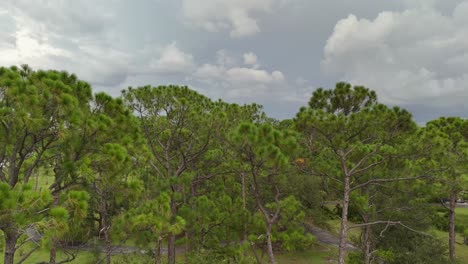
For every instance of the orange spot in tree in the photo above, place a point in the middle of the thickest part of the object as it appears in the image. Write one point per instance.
(300, 161)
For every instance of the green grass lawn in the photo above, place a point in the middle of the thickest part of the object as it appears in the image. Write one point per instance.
(461, 251)
(462, 216)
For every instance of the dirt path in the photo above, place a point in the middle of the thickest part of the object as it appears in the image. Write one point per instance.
(119, 249)
(326, 237)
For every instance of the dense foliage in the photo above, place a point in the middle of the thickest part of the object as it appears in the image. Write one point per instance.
(166, 167)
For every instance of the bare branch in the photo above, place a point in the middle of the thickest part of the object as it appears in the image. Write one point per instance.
(356, 169)
(367, 167)
(383, 230)
(444, 205)
(28, 254)
(375, 181)
(278, 205)
(156, 168)
(388, 223)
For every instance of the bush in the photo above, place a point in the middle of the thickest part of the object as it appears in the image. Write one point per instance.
(460, 228)
(440, 221)
(412, 248)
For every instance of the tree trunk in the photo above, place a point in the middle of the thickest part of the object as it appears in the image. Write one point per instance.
(171, 248)
(244, 206)
(254, 250)
(366, 234)
(171, 252)
(367, 244)
(344, 221)
(53, 248)
(271, 256)
(53, 252)
(452, 205)
(188, 234)
(10, 245)
(188, 245)
(100, 226)
(106, 228)
(157, 257)
(108, 246)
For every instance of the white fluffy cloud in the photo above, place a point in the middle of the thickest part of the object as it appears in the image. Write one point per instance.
(250, 58)
(66, 36)
(237, 74)
(237, 16)
(82, 37)
(234, 81)
(413, 56)
(210, 72)
(173, 60)
(249, 75)
(417, 56)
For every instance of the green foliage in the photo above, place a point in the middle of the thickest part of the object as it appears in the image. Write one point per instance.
(166, 161)
(214, 220)
(344, 99)
(265, 144)
(22, 205)
(356, 145)
(213, 257)
(440, 221)
(446, 140)
(149, 222)
(289, 231)
(413, 248)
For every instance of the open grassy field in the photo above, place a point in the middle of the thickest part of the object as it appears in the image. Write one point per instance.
(462, 216)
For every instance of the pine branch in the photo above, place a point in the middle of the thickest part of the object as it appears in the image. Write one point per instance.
(375, 181)
(388, 223)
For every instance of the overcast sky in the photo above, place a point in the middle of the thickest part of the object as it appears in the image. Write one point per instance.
(414, 53)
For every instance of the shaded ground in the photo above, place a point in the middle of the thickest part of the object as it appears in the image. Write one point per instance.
(323, 236)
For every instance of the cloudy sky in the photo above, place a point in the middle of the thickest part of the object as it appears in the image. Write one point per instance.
(414, 53)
